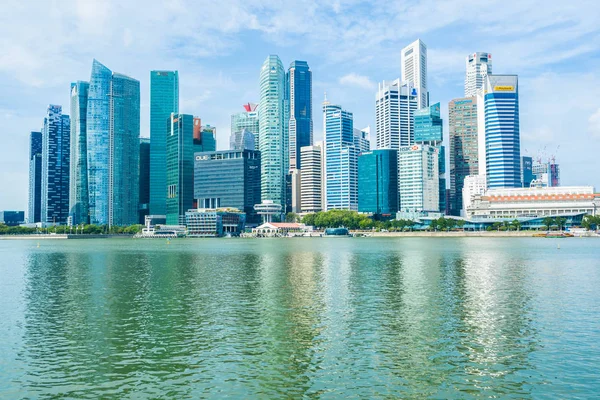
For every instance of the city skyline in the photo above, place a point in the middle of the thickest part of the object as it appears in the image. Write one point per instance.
(215, 90)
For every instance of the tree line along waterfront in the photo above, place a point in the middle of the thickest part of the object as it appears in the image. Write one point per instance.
(320, 220)
(89, 229)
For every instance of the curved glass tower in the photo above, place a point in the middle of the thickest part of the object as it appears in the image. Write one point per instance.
(272, 141)
(98, 126)
(78, 190)
(113, 130)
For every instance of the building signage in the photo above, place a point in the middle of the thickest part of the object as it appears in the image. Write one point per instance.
(504, 88)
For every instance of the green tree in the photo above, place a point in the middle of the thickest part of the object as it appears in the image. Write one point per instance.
(516, 225)
(460, 223)
(548, 222)
(292, 217)
(309, 219)
(561, 222)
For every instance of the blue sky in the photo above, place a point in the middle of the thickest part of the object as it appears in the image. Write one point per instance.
(219, 47)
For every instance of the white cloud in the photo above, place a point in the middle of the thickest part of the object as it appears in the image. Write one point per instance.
(353, 79)
(594, 124)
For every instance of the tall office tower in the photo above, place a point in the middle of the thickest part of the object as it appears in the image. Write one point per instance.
(228, 178)
(395, 104)
(78, 181)
(243, 140)
(413, 61)
(113, 147)
(299, 86)
(464, 159)
(479, 65)
(341, 159)
(546, 174)
(55, 166)
(246, 120)
(35, 177)
(429, 130)
(378, 182)
(526, 171)
(311, 180)
(164, 100)
(418, 179)
(182, 142)
(144, 207)
(272, 137)
(502, 138)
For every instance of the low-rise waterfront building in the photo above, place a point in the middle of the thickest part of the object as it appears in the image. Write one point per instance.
(267, 209)
(279, 229)
(215, 222)
(534, 202)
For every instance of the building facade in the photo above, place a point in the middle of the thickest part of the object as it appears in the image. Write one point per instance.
(378, 182)
(418, 179)
(144, 208)
(474, 185)
(535, 202)
(113, 149)
(214, 222)
(341, 159)
(464, 156)
(311, 180)
(164, 100)
(55, 166)
(429, 130)
(243, 123)
(78, 182)
(228, 178)
(502, 136)
(546, 174)
(300, 126)
(273, 141)
(12, 218)
(395, 105)
(527, 171)
(182, 144)
(478, 67)
(242, 140)
(413, 59)
(34, 212)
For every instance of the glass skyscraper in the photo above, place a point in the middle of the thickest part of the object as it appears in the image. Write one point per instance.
(242, 124)
(464, 158)
(378, 182)
(35, 177)
(144, 208)
(299, 87)
(502, 136)
(429, 130)
(164, 100)
(272, 136)
(55, 166)
(341, 154)
(183, 140)
(78, 191)
(113, 129)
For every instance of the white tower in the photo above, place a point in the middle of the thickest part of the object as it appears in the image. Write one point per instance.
(413, 61)
(479, 65)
